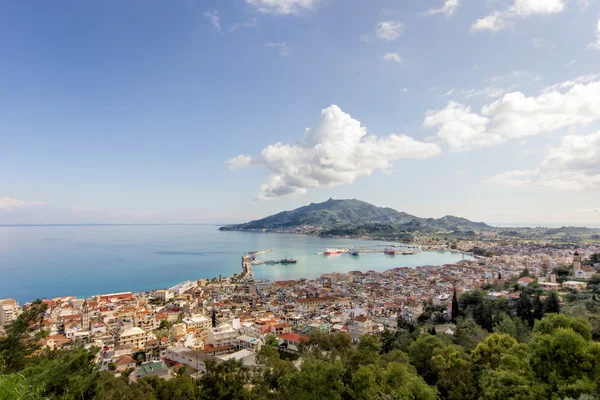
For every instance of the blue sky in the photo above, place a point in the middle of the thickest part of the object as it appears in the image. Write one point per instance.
(171, 111)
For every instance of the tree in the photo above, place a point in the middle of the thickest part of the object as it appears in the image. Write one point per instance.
(224, 381)
(515, 327)
(468, 334)
(538, 308)
(22, 337)
(552, 303)
(421, 352)
(67, 374)
(524, 308)
(555, 321)
(455, 307)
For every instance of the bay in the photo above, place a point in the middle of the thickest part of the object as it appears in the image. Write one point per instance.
(53, 261)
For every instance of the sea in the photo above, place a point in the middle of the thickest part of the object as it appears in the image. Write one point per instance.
(82, 261)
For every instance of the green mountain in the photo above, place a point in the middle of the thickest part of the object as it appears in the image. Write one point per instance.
(355, 218)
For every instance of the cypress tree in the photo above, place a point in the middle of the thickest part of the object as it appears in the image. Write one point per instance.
(552, 303)
(455, 309)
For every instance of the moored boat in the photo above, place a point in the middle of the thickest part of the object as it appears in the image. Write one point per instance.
(287, 261)
(390, 251)
(330, 252)
(354, 251)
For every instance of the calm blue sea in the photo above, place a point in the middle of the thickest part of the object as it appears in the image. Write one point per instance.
(52, 261)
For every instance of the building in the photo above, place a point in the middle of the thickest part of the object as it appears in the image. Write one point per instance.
(197, 322)
(134, 336)
(525, 281)
(584, 272)
(183, 287)
(9, 310)
(223, 335)
(185, 356)
(248, 357)
(248, 343)
(124, 363)
(291, 341)
(359, 326)
(576, 262)
(164, 295)
(574, 285)
(152, 368)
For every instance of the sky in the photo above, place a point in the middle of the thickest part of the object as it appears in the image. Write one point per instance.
(222, 111)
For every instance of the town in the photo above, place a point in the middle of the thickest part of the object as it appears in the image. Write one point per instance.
(159, 332)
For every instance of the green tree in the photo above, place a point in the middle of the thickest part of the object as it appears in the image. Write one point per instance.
(468, 334)
(224, 381)
(455, 307)
(66, 374)
(22, 337)
(515, 327)
(552, 304)
(421, 352)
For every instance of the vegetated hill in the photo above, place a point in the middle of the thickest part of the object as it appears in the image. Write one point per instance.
(356, 218)
(571, 231)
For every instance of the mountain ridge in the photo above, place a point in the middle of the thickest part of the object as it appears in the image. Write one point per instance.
(352, 217)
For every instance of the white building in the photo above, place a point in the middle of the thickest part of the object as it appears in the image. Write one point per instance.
(164, 295)
(248, 357)
(9, 311)
(197, 322)
(185, 356)
(248, 343)
(222, 335)
(183, 287)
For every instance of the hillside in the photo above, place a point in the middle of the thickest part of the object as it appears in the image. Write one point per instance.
(355, 218)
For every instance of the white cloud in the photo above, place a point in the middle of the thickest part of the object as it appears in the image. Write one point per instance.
(516, 178)
(541, 43)
(516, 115)
(392, 57)
(404, 90)
(251, 23)
(214, 18)
(335, 151)
(570, 63)
(448, 9)
(461, 128)
(283, 7)
(490, 92)
(389, 30)
(573, 165)
(284, 50)
(596, 44)
(449, 92)
(7, 203)
(494, 22)
(499, 20)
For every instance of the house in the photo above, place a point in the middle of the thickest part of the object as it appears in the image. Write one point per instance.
(248, 343)
(291, 341)
(550, 286)
(197, 322)
(574, 285)
(584, 272)
(359, 326)
(222, 335)
(185, 356)
(525, 281)
(248, 357)
(124, 363)
(152, 368)
(134, 336)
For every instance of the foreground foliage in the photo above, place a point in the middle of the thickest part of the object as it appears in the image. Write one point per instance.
(498, 350)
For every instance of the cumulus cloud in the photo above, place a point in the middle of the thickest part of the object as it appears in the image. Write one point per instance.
(515, 115)
(283, 7)
(448, 9)
(392, 57)
(214, 18)
(335, 151)
(499, 20)
(389, 30)
(284, 50)
(573, 165)
(7, 203)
